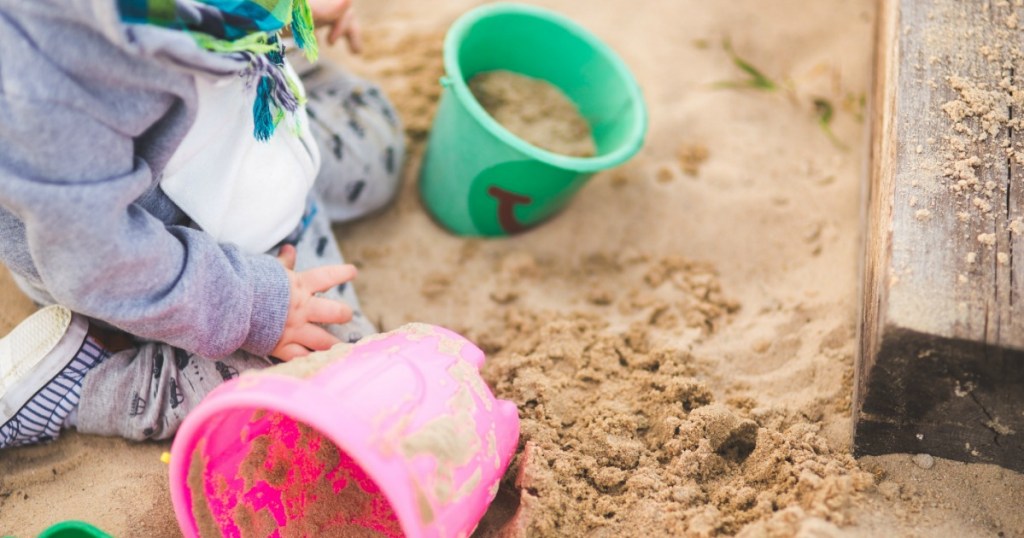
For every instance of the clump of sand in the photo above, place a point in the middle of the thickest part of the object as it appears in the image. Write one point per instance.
(622, 437)
(307, 366)
(622, 433)
(691, 157)
(982, 123)
(534, 110)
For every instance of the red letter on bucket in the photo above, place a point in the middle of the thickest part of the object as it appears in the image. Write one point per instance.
(507, 202)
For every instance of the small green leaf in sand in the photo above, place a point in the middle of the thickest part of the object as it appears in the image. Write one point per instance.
(824, 110)
(757, 80)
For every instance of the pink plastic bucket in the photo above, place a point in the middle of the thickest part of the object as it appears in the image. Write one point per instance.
(400, 437)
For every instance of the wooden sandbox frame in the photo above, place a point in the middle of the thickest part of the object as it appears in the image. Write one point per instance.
(940, 369)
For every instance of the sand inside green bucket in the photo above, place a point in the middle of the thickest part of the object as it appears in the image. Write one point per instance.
(534, 110)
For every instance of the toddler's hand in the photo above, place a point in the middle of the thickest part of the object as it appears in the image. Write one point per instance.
(301, 333)
(338, 15)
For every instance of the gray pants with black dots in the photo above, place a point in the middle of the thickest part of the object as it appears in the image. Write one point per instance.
(144, 392)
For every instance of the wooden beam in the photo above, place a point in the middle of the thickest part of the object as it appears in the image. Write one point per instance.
(940, 368)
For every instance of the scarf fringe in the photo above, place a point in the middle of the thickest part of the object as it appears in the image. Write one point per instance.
(257, 43)
(303, 28)
(276, 92)
(261, 113)
(246, 31)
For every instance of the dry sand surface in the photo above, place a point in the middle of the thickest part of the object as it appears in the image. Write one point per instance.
(679, 340)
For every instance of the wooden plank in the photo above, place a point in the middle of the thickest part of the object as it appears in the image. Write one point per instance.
(941, 362)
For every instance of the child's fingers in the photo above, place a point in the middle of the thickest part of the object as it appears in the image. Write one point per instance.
(328, 276)
(315, 337)
(328, 11)
(333, 29)
(335, 32)
(340, 27)
(288, 352)
(322, 310)
(287, 256)
(355, 37)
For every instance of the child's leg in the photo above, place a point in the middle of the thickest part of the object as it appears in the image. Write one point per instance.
(146, 391)
(42, 364)
(55, 372)
(360, 138)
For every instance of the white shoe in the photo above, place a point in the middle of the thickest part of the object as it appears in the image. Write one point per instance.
(39, 375)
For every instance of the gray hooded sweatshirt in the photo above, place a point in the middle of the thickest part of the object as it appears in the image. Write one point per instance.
(91, 110)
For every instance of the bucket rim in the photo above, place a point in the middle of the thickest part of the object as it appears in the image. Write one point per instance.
(73, 527)
(238, 395)
(455, 81)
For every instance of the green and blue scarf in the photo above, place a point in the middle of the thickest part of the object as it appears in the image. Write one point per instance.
(248, 30)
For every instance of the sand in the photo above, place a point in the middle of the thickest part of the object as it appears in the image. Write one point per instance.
(534, 110)
(314, 476)
(680, 339)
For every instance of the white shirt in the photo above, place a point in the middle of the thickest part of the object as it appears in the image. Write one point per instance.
(236, 188)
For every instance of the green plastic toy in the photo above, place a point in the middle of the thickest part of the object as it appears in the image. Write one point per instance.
(480, 179)
(73, 529)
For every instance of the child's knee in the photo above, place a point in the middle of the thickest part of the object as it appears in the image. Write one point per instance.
(384, 143)
(362, 149)
(146, 392)
(387, 179)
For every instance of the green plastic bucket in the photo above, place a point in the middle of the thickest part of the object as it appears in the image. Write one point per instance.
(73, 529)
(480, 179)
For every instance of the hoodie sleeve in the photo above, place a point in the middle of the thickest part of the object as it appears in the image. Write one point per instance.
(73, 180)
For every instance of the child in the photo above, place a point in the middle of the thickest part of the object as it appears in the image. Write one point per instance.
(168, 189)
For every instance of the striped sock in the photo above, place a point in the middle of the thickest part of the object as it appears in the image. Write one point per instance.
(42, 417)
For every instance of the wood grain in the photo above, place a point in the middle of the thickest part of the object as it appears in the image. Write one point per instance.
(941, 362)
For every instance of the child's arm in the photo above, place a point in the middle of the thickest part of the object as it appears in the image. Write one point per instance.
(74, 180)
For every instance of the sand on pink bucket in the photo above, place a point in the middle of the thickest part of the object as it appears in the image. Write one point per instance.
(322, 491)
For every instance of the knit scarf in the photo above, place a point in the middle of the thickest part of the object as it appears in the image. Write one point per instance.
(247, 30)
